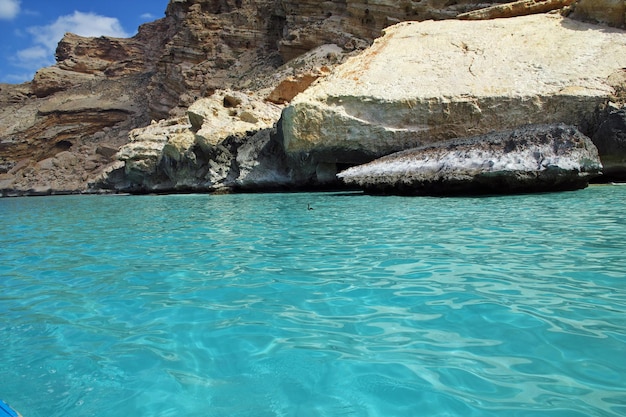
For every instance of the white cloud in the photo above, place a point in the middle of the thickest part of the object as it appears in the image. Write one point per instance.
(33, 54)
(147, 16)
(83, 24)
(9, 9)
(45, 38)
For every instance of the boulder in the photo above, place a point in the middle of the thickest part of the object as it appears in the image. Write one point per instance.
(426, 82)
(527, 159)
(225, 142)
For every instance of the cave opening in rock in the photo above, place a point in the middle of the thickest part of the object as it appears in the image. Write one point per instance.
(62, 145)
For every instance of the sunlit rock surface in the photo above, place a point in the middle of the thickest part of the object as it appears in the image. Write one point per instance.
(224, 142)
(425, 82)
(272, 48)
(528, 159)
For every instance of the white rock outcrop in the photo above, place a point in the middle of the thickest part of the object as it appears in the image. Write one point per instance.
(527, 159)
(424, 82)
(224, 142)
(228, 113)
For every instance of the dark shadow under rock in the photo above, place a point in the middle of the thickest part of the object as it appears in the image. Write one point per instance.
(611, 142)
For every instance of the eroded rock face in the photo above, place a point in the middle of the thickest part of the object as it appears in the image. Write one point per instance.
(225, 142)
(268, 47)
(611, 12)
(514, 9)
(528, 159)
(198, 47)
(37, 135)
(431, 81)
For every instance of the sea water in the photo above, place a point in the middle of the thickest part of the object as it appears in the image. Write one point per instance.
(253, 305)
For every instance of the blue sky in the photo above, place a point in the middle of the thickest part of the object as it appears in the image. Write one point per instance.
(31, 29)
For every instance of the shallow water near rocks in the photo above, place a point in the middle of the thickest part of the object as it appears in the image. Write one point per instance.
(252, 305)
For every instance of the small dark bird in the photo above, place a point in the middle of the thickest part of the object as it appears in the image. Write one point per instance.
(308, 206)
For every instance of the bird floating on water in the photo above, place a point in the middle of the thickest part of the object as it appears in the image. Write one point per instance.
(308, 206)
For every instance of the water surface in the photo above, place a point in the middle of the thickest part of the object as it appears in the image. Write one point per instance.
(252, 305)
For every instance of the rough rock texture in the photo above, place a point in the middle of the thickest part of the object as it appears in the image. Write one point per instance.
(198, 47)
(518, 8)
(431, 81)
(611, 12)
(266, 47)
(57, 144)
(532, 158)
(224, 143)
(348, 23)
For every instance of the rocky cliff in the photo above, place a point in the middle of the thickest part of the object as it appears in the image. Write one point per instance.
(62, 132)
(426, 82)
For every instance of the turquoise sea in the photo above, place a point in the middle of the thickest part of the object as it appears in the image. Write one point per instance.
(252, 305)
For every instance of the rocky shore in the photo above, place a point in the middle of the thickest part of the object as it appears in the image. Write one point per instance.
(287, 94)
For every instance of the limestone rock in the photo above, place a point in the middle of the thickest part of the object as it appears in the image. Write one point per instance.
(142, 154)
(425, 82)
(351, 24)
(224, 143)
(532, 158)
(228, 113)
(198, 47)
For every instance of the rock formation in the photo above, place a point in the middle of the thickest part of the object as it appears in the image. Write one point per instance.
(61, 132)
(431, 81)
(518, 8)
(527, 159)
(198, 47)
(223, 143)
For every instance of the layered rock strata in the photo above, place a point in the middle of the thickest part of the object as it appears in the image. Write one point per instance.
(48, 144)
(428, 82)
(528, 159)
(198, 47)
(58, 143)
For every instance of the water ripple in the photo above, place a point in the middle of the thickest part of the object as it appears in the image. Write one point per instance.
(251, 305)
